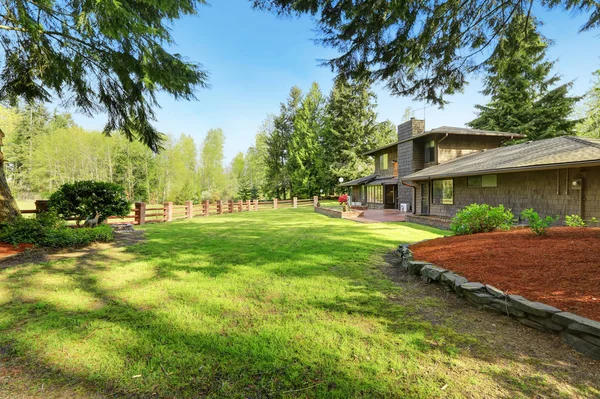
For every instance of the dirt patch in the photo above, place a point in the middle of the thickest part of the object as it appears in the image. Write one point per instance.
(41, 255)
(562, 269)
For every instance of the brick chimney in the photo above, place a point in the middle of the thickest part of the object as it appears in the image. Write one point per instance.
(410, 128)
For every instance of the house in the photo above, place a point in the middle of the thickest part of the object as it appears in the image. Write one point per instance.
(416, 149)
(433, 174)
(557, 177)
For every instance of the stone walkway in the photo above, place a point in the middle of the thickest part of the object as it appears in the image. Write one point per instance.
(380, 215)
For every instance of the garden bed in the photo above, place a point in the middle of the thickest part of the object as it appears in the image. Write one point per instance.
(562, 269)
(9, 249)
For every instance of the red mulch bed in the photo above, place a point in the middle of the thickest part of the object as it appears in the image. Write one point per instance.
(562, 269)
(9, 249)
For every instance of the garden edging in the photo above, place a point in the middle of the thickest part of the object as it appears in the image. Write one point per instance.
(580, 333)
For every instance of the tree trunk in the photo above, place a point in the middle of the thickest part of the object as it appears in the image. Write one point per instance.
(8, 206)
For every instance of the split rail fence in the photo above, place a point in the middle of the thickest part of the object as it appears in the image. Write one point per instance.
(143, 213)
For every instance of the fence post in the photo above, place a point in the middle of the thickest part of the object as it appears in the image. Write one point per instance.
(41, 206)
(240, 206)
(206, 208)
(140, 213)
(220, 207)
(256, 205)
(295, 202)
(274, 203)
(248, 205)
(168, 212)
(230, 206)
(189, 208)
(315, 200)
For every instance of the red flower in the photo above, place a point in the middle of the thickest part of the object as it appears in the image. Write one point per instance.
(343, 199)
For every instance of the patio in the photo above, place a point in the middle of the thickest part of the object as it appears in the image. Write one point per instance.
(380, 216)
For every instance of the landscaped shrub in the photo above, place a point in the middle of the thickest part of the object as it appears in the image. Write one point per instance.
(47, 230)
(343, 201)
(574, 221)
(481, 218)
(67, 237)
(88, 199)
(536, 223)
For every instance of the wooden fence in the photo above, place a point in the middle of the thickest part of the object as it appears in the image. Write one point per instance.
(143, 213)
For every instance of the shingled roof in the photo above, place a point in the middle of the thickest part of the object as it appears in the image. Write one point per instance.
(452, 130)
(544, 154)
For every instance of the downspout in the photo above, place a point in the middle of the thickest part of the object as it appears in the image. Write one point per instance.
(414, 196)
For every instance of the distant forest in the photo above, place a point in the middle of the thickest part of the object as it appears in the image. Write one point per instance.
(312, 142)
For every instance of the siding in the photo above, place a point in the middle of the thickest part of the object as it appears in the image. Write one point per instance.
(545, 191)
(455, 146)
(392, 155)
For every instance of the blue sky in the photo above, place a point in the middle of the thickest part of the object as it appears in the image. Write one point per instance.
(254, 58)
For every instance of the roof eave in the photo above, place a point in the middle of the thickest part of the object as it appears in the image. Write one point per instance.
(505, 170)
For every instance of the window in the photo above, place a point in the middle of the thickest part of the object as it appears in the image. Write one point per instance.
(375, 194)
(443, 192)
(383, 162)
(430, 151)
(482, 181)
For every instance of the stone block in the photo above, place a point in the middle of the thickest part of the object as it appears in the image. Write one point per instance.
(534, 308)
(472, 287)
(577, 323)
(415, 266)
(581, 345)
(505, 307)
(478, 298)
(495, 291)
(546, 322)
(433, 272)
(591, 339)
(533, 324)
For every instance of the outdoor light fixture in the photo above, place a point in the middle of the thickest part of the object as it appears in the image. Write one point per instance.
(341, 180)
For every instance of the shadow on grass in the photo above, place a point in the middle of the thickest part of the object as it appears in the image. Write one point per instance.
(277, 305)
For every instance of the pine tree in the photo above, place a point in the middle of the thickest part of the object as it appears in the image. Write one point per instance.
(352, 129)
(524, 98)
(307, 166)
(590, 123)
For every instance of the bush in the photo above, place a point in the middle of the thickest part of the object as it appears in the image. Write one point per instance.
(47, 230)
(536, 223)
(481, 218)
(574, 221)
(343, 199)
(88, 199)
(67, 237)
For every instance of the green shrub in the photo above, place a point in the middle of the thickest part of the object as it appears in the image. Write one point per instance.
(49, 231)
(67, 237)
(86, 199)
(574, 221)
(536, 223)
(481, 218)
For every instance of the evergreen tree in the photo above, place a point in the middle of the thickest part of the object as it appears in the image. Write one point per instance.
(590, 123)
(279, 132)
(352, 129)
(307, 164)
(520, 82)
(244, 192)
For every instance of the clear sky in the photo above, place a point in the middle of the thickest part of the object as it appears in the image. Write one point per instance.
(254, 58)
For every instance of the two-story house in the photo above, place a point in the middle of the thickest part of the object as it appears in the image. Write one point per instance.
(415, 150)
(440, 171)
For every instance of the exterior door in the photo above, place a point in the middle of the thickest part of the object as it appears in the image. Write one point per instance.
(425, 199)
(390, 196)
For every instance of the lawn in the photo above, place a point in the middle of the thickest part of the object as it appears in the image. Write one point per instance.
(282, 304)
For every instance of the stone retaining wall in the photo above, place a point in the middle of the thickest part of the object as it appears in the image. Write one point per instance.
(431, 221)
(337, 213)
(578, 332)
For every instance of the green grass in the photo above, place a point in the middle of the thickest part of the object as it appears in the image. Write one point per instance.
(255, 305)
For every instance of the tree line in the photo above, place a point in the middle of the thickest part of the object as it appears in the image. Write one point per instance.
(312, 142)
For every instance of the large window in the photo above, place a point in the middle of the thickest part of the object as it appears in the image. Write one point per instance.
(375, 194)
(383, 162)
(430, 151)
(443, 192)
(482, 181)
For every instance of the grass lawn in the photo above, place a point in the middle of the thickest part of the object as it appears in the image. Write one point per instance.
(283, 304)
